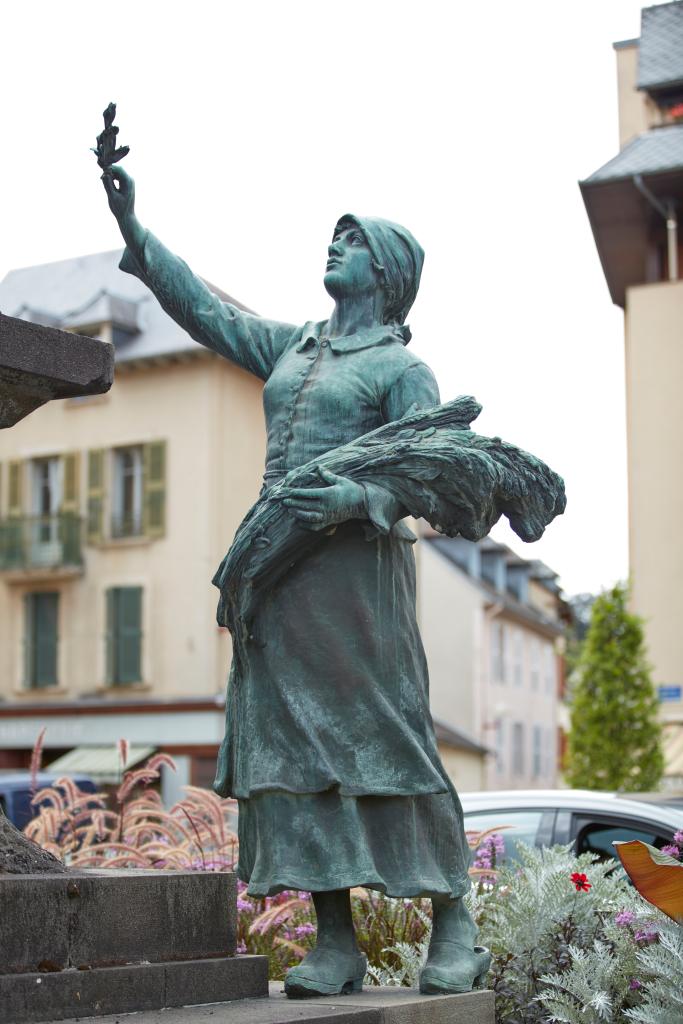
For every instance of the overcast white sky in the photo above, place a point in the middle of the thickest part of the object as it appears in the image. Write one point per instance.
(254, 125)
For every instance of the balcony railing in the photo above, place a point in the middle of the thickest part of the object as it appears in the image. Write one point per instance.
(40, 542)
(126, 526)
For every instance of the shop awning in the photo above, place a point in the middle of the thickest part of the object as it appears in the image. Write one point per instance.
(102, 763)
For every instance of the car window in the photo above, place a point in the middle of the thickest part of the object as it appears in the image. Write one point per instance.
(523, 826)
(598, 837)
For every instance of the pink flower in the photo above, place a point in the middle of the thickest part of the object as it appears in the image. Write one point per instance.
(671, 851)
(304, 929)
(624, 918)
(678, 837)
(634, 984)
(648, 934)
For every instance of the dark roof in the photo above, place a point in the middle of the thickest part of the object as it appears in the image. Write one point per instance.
(657, 151)
(92, 289)
(660, 55)
(623, 221)
(524, 613)
(452, 737)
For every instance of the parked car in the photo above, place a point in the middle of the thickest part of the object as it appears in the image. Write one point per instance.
(590, 820)
(16, 793)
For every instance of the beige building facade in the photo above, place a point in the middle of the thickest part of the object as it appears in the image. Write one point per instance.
(493, 628)
(634, 205)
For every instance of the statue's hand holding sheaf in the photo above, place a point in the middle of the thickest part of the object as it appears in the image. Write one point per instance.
(319, 507)
(120, 189)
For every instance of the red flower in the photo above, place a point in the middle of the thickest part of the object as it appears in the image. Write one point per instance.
(677, 110)
(581, 882)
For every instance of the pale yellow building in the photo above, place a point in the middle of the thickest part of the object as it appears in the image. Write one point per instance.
(634, 204)
(114, 513)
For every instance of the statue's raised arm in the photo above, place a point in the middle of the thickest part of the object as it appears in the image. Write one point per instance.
(252, 342)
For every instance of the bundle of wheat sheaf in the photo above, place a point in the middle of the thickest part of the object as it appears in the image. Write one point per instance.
(431, 462)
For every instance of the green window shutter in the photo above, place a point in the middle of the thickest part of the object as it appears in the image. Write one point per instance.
(110, 636)
(41, 637)
(15, 489)
(155, 489)
(29, 642)
(124, 635)
(95, 495)
(70, 483)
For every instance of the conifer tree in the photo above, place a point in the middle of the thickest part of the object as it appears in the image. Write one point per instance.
(615, 736)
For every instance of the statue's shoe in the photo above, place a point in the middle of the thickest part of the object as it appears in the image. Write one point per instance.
(326, 972)
(454, 967)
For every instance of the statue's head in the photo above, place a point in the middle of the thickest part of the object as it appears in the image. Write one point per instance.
(368, 254)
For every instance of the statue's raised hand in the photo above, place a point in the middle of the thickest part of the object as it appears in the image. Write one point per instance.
(120, 189)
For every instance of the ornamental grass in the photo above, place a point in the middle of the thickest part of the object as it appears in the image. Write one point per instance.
(571, 939)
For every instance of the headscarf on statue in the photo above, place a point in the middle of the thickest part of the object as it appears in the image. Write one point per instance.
(399, 258)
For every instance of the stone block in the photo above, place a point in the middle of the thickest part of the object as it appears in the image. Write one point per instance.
(41, 363)
(73, 994)
(103, 918)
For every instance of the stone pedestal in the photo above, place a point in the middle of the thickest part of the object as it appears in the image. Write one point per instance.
(98, 942)
(372, 1006)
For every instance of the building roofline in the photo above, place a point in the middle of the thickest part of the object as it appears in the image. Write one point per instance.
(624, 44)
(525, 614)
(457, 738)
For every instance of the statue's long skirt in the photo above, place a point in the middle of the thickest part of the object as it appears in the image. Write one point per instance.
(329, 744)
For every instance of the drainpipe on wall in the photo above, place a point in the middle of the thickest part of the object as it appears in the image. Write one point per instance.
(668, 212)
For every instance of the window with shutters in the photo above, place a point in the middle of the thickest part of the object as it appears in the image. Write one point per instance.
(127, 497)
(537, 751)
(518, 748)
(124, 635)
(497, 652)
(46, 499)
(535, 663)
(41, 612)
(500, 746)
(518, 657)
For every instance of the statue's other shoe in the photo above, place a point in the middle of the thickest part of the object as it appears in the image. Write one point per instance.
(326, 972)
(453, 967)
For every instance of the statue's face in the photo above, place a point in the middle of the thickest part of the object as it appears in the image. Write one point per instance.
(350, 269)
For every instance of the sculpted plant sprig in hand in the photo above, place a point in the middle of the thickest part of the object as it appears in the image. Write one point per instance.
(106, 151)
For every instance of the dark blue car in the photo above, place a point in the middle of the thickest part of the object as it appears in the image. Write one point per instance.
(16, 793)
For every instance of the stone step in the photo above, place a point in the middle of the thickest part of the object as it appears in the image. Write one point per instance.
(372, 1006)
(74, 994)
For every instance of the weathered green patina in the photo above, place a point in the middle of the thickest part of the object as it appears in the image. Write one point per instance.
(329, 743)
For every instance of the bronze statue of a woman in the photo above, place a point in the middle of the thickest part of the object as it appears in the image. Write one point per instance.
(329, 745)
